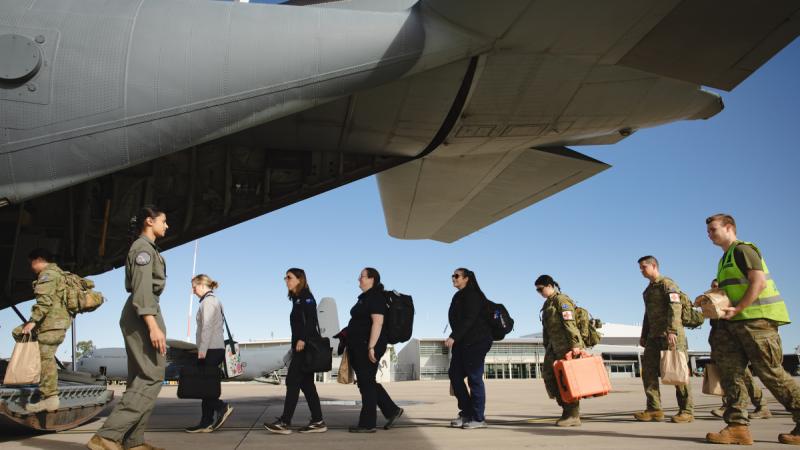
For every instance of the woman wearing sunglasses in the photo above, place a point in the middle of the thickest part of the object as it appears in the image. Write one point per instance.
(469, 341)
(560, 336)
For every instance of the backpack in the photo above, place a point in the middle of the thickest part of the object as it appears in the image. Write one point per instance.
(690, 317)
(399, 320)
(78, 294)
(500, 322)
(588, 327)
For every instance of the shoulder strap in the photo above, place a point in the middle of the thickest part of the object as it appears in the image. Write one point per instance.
(316, 322)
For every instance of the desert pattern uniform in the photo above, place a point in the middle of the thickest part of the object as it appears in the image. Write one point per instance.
(52, 321)
(560, 335)
(752, 337)
(754, 392)
(662, 306)
(145, 278)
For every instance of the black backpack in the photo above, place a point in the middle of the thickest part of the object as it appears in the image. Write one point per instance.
(500, 322)
(399, 320)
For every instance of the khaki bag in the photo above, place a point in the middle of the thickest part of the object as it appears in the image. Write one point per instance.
(346, 375)
(674, 367)
(711, 380)
(78, 294)
(712, 302)
(25, 365)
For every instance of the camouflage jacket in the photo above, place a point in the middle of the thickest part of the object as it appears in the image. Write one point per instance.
(662, 309)
(560, 333)
(50, 312)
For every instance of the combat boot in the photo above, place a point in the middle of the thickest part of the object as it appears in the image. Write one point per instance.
(649, 415)
(792, 438)
(49, 404)
(732, 434)
(719, 412)
(761, 412)
(683, 417)
(571, 417)
(98, 442)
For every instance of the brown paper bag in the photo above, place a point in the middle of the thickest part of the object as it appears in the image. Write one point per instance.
(711, 380)
(25, 367)
(674, 367)
(346, 375)
(712, 303)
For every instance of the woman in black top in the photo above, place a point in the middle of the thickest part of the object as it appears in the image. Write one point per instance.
(366, 344)
(305, 325)
(469, 342)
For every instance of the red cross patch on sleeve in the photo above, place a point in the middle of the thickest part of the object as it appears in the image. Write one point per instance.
(674, 297)
(567, 315)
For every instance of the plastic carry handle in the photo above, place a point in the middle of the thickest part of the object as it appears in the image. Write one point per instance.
(584, 354)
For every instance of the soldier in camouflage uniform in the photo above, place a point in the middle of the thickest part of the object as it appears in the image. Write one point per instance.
(748, 334)
(49, 322)
(145, 338)
(661, 329)
(560, 336)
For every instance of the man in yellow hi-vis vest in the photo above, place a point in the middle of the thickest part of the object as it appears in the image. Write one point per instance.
(749, 334)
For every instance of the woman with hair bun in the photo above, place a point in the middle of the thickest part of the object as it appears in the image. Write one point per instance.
(210, 350)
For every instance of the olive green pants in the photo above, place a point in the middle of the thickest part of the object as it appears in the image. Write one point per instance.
(651, 370)
(754, 392)
(755, 342)
(48, 345)
(550, 382)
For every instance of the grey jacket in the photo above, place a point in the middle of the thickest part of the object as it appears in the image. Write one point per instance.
(209, 324)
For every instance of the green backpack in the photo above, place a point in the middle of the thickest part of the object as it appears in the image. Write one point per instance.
(690, 317)
(588, 327)
(78, 294)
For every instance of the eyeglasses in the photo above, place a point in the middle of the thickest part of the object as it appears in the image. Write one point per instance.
(539, 289)
(456, 276)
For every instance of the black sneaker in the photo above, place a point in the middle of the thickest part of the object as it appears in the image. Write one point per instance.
(278, 427)
(314, 427)
(393, 419)
(199, 428)
(361, 430)
(222, 416)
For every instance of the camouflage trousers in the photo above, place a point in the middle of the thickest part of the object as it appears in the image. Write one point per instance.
(758, 343)
(754, 392)
(549, 377)
(48, 345)
(651, 370)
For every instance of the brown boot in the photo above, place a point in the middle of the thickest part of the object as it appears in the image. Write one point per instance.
(732, 434)
(649, 415)
(98, 442)
(683, 417)
(146, 446)
(761, 412)
(570, 418)
(792, 438)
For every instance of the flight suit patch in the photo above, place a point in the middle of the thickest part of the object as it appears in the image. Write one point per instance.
(44, 278)
(674, 297)
(567, 315)
(309, 301)
(142, 259)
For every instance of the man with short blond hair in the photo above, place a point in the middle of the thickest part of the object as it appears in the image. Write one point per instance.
(748, 333)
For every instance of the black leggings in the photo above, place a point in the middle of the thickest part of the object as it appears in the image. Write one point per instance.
(297, 380)
(214, 357)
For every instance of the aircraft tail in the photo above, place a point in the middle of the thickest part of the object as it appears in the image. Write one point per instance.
(328, 317)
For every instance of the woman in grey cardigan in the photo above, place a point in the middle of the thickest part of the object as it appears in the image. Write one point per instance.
(210, 350)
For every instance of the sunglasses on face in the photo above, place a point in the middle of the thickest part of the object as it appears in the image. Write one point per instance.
(539, 289)
(456, 276)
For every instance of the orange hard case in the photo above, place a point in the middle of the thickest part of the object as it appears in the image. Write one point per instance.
(581, 378)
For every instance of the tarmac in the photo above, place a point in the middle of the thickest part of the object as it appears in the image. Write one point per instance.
(519, 415)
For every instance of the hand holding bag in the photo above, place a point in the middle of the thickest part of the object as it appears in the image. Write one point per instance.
(346, 375)
(317, 354)
(674, 367)
(25, 365)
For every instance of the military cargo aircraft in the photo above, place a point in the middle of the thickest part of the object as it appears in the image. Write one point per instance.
(219, 112)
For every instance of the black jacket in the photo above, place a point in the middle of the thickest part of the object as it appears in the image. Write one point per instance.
(467, 319)
(303, 318)
(372, 301)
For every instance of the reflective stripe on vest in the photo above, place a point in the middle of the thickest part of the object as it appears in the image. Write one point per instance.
(768, 305)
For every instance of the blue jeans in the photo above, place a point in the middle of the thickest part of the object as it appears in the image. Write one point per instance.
(467, 362)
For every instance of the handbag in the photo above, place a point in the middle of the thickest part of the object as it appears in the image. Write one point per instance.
(232, 367)
(346, 375)
(199, 381)
(318, 353)
(25, 364)
(674, 367)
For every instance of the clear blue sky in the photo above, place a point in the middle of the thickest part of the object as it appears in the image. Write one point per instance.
(663, 184)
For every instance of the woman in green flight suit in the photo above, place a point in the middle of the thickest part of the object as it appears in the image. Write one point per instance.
(560, 336)
(145, 337)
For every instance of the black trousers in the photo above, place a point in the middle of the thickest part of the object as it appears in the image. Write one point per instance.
(214, 357)
(297, 380)
(372, 393)
(468, 362)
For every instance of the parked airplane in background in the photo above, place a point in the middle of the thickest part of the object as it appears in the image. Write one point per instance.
(259, 363)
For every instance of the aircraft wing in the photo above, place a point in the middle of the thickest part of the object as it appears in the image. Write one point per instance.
(447, 198)
(181, 345)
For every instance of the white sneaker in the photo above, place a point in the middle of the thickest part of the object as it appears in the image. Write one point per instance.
(474, 424)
